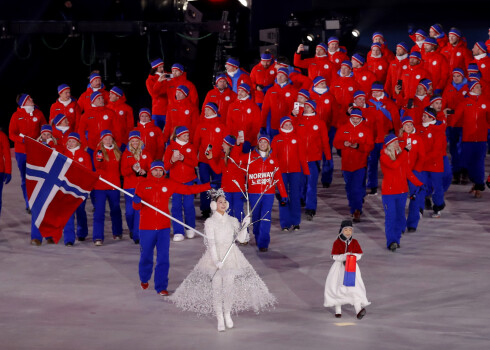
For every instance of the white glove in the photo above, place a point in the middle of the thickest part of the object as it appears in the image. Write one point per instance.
(246, 221)
(219, 265)
(338, 257)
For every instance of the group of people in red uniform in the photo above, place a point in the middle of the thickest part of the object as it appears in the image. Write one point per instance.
(272, 132)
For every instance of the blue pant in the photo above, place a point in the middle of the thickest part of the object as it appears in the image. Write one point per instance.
(149, 239)
(262, 228)
(415, 204)
(455, 148)
(159, 120)
(434, 181)
(21, 164)
(206, 174)
(373, 161)
(355, 187)
(473, 154)
(99, 214)
(91, 154)
(395, 221)
(2, 177)
(447, 175)
(236, 201)
(309, 185)
(132, 216)
(290, 214)
(82, 227)
(183, 203)
(328, 167)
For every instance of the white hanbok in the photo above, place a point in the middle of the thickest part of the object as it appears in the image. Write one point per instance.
(235, 287)
(336, 294)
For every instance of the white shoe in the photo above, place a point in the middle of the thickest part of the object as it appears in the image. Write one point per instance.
(436, 214)
(189, 233)
(178, 237)
(228, 320)
(98, 242)
(221, 323)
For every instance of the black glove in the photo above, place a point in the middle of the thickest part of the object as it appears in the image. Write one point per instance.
(284, 201)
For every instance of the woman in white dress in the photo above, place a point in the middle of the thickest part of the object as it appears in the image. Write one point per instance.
(217, 287)
(336, 294)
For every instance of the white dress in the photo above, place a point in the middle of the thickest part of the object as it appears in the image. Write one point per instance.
(242, 288)
(336, 294)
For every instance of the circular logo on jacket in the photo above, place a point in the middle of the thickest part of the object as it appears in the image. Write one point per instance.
(315, 127)
(34, 119)
(164, 189)
(121, 112)
(227, 98)
(415, 142)
(249, 111)
(380, 67)
(293, 141)
(364, 78)
(187, 112)
(361, 134)
(417, 76)
(152, 133)
(404, 66)
(465, 92)
(482, 65)
(217, 129)
(105, 117)
(288, 94)
(271, 161)
(429, 135)
(483, 106)
(326, 66)
(80, 159)
(188, 150)
(144, 156)
(327, 101)
(351, 88)
(458, 53)
(434, 63)
(70, 110)
(337, 60)
(271, 72)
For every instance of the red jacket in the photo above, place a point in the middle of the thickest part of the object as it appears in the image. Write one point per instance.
(417, 110)
(158, 92)
(261, 174)
(299, 80)
(93, 121)
(438, 68)
(221, 99)
(317, 67)
(327, 108)
(244, 115)
(475, 116)
(290, 152)
(354, 158)
(279, 102)
(107, 169)
(124, 118)
(61, 136)
(451, 98)
(314, 134)
(396, 173)
(410, 79)
(80, 156)
(416, 156)
(131, 179)
(434, 138)
(181, 171)
(337, 58)
(27, 124)
(209, 132)
(458, 56)
(262, 76)
(379, 66)
(72, 112)
(158, 192)
(152, 137)
(364, 78)
(392, 109)
(174, 83)
(339, 247)
(232, 170)
(180, 113)
(484, 68)
(386, 52)
(84, 100)
(395, 70)
(343, 89)
(5, 158)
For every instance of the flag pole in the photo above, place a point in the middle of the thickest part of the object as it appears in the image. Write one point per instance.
(151, 206)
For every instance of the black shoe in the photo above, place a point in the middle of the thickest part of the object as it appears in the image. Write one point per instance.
(398, 245)
(81, 239)
(309, 214)
(69, 244)
(130, 235)
(136, 241)
(338, 315)
(303, 203)
(285, 229)
(393, 247)
(296, 228)
(326, 185)
(488, 184)
(28, 211)
(361, 314)
(428, 203)
(243, 243)
(263, 250)
(411, 229)
(373, 192)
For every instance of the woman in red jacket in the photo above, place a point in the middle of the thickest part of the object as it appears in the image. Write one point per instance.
(263, 171)
(107, 158)
(394, 188)
(181, 159)
(135, 164)
(291, 154)
(157, 84)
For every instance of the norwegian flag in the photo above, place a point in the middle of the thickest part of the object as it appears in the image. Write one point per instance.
(56, 186)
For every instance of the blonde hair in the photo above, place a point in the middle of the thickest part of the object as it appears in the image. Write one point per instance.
(117, 151)
(391, 151)
(136, 151)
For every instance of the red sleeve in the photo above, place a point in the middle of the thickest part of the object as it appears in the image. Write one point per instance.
(280, 183)
(301, 63)
(354, 247)
(393, 164)
(81, 130)
(339, 139)
(325, 142)
(160, 144)
(127, 164)
(7, 160)
(14, 130)
(191, 189)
